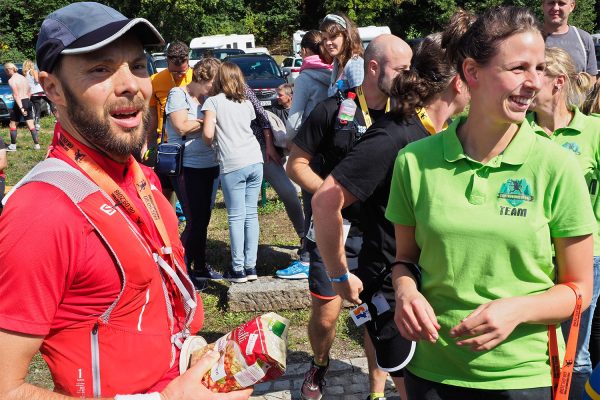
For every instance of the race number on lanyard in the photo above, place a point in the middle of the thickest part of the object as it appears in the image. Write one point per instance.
(101, 178)
(365, 109)
(561, 377)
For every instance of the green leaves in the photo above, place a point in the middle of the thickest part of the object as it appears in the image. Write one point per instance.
(271, 21)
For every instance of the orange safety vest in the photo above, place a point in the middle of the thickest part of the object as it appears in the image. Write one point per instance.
(132, 345)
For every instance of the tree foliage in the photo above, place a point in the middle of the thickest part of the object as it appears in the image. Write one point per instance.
(271, 21)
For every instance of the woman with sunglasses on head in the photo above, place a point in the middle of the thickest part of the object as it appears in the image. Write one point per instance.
(476, 209)
(342, 42)
(557, 117)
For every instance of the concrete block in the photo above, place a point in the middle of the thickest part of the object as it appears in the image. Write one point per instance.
(268, 294)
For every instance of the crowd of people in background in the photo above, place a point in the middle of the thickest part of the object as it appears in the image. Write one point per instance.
(451, 188)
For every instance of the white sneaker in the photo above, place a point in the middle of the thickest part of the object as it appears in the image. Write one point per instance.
(11, 147)
(36, 146)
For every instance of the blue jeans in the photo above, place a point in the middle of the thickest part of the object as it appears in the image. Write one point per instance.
(241, 189)
(583, 364)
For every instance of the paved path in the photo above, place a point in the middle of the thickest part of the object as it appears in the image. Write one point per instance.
(346, 380)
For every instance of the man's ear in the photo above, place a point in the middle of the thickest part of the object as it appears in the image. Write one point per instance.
(471, 72)
(52, 88)
(373, 68)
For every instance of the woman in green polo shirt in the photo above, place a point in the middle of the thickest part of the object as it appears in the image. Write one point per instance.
(555, 117)
(477, 207)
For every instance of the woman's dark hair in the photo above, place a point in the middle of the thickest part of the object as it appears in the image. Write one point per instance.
(481, 39)
(430, 73)
(313, 40)
(352, 43)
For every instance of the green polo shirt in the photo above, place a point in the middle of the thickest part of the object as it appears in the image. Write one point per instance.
(485, 233)
(582, 138)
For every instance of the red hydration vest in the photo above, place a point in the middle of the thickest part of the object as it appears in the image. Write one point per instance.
(132, 345)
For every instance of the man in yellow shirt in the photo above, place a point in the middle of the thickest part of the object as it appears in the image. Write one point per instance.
(177, 73)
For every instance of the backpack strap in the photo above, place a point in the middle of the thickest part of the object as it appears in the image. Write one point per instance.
(585, 54)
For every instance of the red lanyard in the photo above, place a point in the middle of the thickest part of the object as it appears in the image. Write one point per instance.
(561, 377)
(101, 178)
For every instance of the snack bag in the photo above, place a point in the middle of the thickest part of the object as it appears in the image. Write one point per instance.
(252, 353)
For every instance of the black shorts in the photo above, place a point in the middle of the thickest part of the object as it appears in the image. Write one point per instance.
(318, 280)
(16, 113)
(165, 182)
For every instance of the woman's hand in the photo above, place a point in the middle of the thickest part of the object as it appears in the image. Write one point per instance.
(489, 324)
(414, 315)
(272, 154)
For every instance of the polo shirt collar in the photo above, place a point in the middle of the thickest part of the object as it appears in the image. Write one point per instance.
(516, 152)
(575, 127)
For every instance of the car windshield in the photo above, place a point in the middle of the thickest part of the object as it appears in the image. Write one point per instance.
(258, 69)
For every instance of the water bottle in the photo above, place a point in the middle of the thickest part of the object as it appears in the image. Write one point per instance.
(347, 109)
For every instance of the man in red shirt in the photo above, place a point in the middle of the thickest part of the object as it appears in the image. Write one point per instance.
(91, 268)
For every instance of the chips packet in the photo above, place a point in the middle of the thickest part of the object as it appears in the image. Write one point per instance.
(252, 353)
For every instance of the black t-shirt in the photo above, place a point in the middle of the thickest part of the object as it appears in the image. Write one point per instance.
(327, 145)
(366, 172)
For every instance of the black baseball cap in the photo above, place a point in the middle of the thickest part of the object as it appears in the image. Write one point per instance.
(85, 27)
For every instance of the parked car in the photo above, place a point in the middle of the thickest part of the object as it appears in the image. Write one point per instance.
(6, 94)
(219, 54)
(262, 74)
(291, 67)
(160, 62)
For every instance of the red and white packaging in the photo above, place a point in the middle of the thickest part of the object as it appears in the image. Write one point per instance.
(252, 353)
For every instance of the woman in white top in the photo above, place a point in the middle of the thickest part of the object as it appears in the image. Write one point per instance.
(195, 185)
(227, 118)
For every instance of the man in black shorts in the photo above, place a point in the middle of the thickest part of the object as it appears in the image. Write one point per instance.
(320, 145)
(22, 106)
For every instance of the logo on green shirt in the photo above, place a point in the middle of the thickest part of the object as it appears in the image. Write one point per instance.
(515, 192)
(574, 147)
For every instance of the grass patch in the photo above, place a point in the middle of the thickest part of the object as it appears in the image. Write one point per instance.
(275, 230)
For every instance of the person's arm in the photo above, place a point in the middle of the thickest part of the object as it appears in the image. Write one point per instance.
(35, 74)
(298, 169)
(18, 350)
(489, 324)
(182, 125)
(3, 160)
(299, 102)
(592, 65)
(208, 130)
(327, 204)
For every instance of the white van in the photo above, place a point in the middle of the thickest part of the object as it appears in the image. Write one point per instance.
(203, 44)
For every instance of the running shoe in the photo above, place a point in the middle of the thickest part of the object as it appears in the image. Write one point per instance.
(376, 398)
(206, 273)
(296, 270)
(236, 276)
(251, 274)
(36, 146)
(314, 380)
(11, 147)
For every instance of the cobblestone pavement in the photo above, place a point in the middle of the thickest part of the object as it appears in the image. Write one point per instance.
(346, 380)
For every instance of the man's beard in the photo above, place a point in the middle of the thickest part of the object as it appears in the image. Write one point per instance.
(381, 86)
(98, 130)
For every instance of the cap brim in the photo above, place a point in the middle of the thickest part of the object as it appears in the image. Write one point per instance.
(393, 352)
(101, 37)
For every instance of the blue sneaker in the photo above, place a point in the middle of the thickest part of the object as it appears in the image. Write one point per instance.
(235, 276)
(251, 274)
(296, 270)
